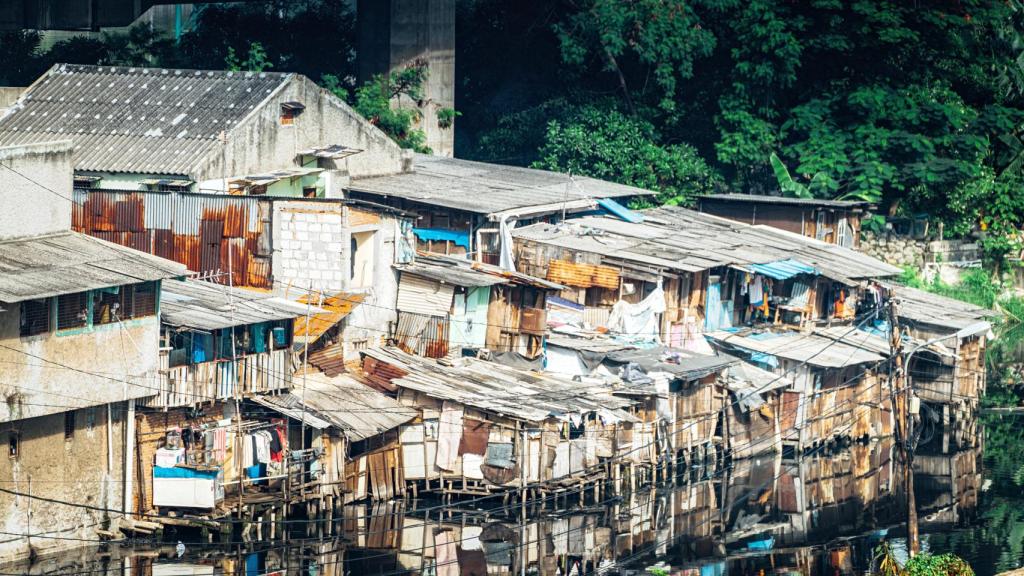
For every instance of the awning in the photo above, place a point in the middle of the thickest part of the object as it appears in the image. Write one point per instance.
(291, 407)
(271, 177)
(298, 106)
(337, 308)
(332, 152)
(782, 269)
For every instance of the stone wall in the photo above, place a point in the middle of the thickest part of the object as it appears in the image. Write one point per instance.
(899, 251)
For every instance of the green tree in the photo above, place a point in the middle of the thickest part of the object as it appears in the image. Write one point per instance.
(256, 60)
(613, 146)
(376, 101)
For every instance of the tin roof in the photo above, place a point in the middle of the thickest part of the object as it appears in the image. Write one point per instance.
(207, 306)
(680, 363)
(342, 402)
(69, 262)
(676, 239)
(529, 396)
(813, 349)
(921, 307)
(485, 188)
(139, 120)
(460, 271)
(764, 199)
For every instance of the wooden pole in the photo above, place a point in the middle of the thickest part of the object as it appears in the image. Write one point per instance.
(901, 390)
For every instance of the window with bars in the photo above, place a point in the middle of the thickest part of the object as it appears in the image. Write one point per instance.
(72, 310)
(13, 444)
(106, 306)
(35, 317)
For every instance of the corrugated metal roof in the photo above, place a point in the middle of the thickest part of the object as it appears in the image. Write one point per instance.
(677, 239)
(529, 396)
(680, 363)
(208, 306)
(485, 188)
(139, 120)
(342, 402)
(333, 309)
(813, 349)
(923, 307)
(763, 199)
(460, 271)
(44, 266)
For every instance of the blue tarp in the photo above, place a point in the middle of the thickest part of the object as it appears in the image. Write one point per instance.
(619, 210)
(783, 269)
(180, 472)
(441, 235)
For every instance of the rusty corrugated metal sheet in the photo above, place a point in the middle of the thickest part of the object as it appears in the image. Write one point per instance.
(422, 335)
(583, 275)
(205, 232)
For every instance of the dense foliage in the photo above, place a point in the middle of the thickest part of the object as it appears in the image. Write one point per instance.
(916, 105)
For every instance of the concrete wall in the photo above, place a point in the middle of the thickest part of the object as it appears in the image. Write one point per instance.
(261, 143)
(83, 470)
(47, 373)
(312, 249)
(393, 34)
(36, 196)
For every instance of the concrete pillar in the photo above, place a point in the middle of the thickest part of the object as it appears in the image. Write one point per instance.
(394, 34)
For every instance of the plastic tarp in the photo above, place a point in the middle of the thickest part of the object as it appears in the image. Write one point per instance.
(638, 319)
(499, 455)
(506, 261)
(182, 472)
(713, 308)
(620, 211)
(441, 235)
(783, 269)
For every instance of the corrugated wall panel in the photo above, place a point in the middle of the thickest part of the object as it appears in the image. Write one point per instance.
(422, 296)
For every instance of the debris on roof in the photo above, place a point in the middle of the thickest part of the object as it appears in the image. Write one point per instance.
(69, 262)
(528, 396)
(207, 306)
(682, 364)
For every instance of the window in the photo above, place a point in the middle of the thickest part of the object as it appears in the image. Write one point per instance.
(72, 310)
(289, 111)
(106, 305)
(13, 444)
(309, 192)
(35, 317)
(69, 425)
(90, 419)
(138, 300)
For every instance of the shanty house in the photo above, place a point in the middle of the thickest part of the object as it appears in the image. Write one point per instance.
(708, 401)
(79, 341)
(832, 221)
(467, 207)
(670, 274)
(837, 390)
(353, 427)
(221, 342)
(153, 129)
(484, 426)
(447, 304)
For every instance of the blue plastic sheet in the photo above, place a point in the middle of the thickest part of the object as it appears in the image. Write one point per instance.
(441, 235)
(619, 210)
(782, 269)
(180, 472)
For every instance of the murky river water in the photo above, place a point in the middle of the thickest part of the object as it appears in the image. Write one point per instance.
(815, 515)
